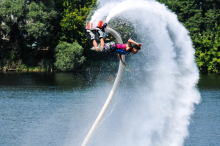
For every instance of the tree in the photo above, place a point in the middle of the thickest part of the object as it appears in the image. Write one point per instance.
(74, 20)
(68, 56)
(72, 26)
(188, 12)
(208, 51)
(210, 13)
(201, 18)
(26, 26)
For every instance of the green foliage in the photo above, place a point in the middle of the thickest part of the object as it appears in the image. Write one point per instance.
(68, 56)
(24, 23)
(22, 67)
(29, 25)
(202, 19)
(47, 64)
(39, 18)
(29, 21)
(208, 50)
(74, 19)
(188, 12)
(210, 13)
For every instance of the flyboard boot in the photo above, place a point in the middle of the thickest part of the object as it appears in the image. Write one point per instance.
(100, 28)
(91, 31)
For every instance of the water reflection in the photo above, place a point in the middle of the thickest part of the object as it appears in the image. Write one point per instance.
(63, 81)
(48, 108)
(209, 81)
(205, 123)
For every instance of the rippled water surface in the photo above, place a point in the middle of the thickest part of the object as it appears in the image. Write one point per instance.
(205, 124)
(52, 109)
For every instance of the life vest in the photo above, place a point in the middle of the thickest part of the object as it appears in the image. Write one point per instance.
(116, 48)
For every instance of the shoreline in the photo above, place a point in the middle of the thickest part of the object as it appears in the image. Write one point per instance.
(51, 70)
(25, 70)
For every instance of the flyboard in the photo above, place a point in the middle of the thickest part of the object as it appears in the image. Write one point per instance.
(117, 80)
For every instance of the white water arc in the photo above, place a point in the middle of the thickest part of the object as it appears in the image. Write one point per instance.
(112, 92)
(160, 91)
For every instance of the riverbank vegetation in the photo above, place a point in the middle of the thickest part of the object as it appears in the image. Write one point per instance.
(202, 19)
(44, 35)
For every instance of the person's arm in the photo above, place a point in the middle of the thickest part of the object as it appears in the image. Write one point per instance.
(119, 55)
(132, 41)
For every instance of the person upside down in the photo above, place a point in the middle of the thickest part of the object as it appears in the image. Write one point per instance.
(120, 49)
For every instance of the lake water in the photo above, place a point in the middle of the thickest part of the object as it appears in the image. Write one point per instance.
(58, 109)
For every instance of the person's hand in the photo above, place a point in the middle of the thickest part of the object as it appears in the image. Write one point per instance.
(124, 64)
(139, 44)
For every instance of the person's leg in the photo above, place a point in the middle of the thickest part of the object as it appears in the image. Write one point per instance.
(102, 43)
(101, 29)
(92, 35)
(101, 33)
(95, 45)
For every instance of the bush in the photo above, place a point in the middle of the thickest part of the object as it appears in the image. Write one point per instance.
(208, 51)
(68, 56)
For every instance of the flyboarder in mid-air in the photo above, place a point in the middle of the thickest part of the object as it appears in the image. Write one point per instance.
(120, 49)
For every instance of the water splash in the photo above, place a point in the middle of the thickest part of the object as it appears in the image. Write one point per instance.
(162, 79)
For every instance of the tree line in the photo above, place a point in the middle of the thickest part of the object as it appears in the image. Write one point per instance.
(54, 30)
(35, 29)
(202, 19)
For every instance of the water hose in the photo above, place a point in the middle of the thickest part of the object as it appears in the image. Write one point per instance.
(117, 80)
